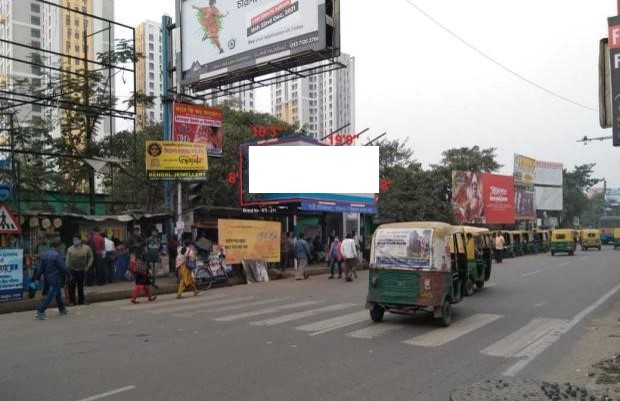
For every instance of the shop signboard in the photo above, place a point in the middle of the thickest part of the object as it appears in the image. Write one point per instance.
(168, 160)
(11, 274)
(198, 124)
(250, 239)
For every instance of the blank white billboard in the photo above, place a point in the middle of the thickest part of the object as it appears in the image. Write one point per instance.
(549, 198)
(314, 169)
(548, 173)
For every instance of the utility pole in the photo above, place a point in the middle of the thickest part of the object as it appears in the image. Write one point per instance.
(89, 135)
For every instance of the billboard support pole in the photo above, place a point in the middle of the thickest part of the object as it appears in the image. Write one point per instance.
(179, 65)
(166, 35)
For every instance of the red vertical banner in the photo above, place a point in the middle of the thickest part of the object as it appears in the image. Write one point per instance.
(499, 195)
(198, 124)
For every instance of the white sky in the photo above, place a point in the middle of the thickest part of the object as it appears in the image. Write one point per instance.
(416, 81)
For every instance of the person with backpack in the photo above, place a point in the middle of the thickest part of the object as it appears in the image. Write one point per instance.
(185, 264)
(142, 272)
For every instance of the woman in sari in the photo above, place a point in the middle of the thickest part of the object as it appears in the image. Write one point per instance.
(186, 258)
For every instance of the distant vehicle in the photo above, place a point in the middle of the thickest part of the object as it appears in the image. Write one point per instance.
(607, 224)
(564, 240)
(590, 239)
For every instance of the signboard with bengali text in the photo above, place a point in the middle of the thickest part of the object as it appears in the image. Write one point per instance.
(198, 124)
(250, 239)
(11, 274)
(168, 160)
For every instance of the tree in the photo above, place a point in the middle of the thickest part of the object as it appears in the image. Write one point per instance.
(594, 211)
(576, 184)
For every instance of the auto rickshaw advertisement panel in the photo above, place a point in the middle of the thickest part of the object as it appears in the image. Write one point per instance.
(410, 249)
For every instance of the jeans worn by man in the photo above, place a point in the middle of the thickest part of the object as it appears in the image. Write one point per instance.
(54, 269)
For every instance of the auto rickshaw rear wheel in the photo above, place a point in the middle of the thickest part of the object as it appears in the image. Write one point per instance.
(480, 283)
(376, 313)
(446, 314)
(468, 287)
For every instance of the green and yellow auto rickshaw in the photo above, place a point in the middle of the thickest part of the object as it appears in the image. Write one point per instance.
(509, 251)
(528, 242)
(545, 240)
(563, 241)
(590, 238)
(616, 234)
(412, 269)
(479, 246)
(518, 247)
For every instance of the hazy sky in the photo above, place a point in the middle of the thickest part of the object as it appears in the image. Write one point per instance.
(416, 81)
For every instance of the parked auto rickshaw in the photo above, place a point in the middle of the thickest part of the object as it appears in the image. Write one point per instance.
(528, 242)
(479, 244)
(546, 240)
(518, 247)
(538, 241)
(412, 269)
(590, 238)
(508, 244)
(616, 238)
(563, 240)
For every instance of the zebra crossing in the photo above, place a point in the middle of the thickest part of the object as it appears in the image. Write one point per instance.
(317, 317)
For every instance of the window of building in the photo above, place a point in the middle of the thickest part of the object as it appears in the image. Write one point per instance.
(68, 20)
(76, 22)
(35, 20)
(151, 37)
(36, 82)
(35, 7)
(77, 35)
(152, 115)
(68, 47)
(35, 43)
(36, 70)
(151, 47)
(36, 108)
(151, 67)
(77, 48)
(151, 86)
(151, 75)
(35, 33)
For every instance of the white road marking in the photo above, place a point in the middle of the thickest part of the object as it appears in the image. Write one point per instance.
(584, 257)
(538, 346)
(490, 284)
(376, 330)
(438, 337)
(301, 315)
(108, 393)
(334, 323)
(231, 307)
(159, 304)
(532, 273)
(563, 264)
(207, 304)
(538, 305)
(516, 342)
(259, 312)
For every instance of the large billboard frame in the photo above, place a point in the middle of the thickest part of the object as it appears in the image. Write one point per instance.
(227, 80)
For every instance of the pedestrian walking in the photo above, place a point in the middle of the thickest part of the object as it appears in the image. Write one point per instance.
(41, 248)
(302, 255)
(54, 269)
(100, 265)
(79, 260)
(153, 247)
(142, 272)
(334, 256)
(109, 256)
(499, 247)
(186, 259)
(349, 253)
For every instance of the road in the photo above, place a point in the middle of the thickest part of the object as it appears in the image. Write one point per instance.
(304, 341)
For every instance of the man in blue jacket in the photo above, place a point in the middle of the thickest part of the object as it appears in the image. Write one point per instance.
(302, 254)
(53, 267)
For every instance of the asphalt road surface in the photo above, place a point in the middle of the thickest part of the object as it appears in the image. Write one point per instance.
(303, 341)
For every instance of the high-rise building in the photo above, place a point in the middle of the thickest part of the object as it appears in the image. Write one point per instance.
(149, 73)
(51, 28)
(320, 103)
(243, 101)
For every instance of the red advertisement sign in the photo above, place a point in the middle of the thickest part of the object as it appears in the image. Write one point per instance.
(482, 198)
(198, 124)
(498, 193)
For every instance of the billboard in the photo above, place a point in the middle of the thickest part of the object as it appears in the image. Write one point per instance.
(11, 274)
(525, 207)
(612, 197)
(319, 202)
(524, 170)
(482, 198)
(222, 37)
(549, 173)
(168, 160)
(549, 198)
(614, 60)
(198, 124)
(250, 239)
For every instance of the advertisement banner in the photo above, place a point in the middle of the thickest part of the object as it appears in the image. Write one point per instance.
(549, 173)
(525, 208)
(614, 60)
(549, 198)
(167, 160)
(467, 197)
(198, 124)
(250, 239)
(498, 193)
(406, 248)
(225, 36)
(11, 274)
(524, 170)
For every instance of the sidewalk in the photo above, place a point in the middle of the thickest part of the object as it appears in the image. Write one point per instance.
(123, 290)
